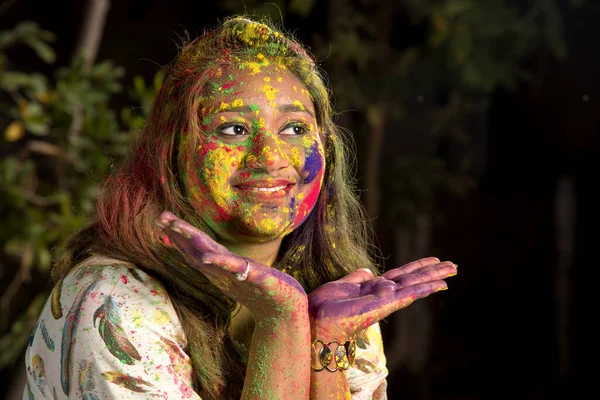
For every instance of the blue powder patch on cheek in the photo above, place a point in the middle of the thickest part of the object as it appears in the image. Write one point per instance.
(292, 204)
(313, 164)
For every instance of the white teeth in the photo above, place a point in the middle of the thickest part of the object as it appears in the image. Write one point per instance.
(272, 189)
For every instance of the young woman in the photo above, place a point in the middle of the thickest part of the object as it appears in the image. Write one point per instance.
(229, 257)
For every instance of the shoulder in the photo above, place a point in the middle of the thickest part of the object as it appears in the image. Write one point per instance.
(109, 316)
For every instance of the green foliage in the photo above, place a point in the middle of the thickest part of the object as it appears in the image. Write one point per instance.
(50, 178)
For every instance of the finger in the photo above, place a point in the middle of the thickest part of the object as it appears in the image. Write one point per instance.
(436, 272)
(412, 267)
(167, 217)
(358, 276)
(373, 285)
(232, 263)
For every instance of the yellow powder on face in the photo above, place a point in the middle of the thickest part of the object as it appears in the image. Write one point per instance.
(279, 79)
(223, 119)
(253, 66)
(217, 177)
(268, 224)
(298, 104)
(261, 122)
(267, 79)
(296, 158)
(300, 196)
(237, 103)
(311, 127)
(295, 88)
(238, 119)
(307, 141)
(269, 92)
(223, 106)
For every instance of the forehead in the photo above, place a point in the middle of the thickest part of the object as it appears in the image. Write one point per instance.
(271, 83)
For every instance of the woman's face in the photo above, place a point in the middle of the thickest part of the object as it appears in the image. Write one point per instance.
(258, 168)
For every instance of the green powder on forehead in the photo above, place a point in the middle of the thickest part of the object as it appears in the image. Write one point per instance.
(253, 107)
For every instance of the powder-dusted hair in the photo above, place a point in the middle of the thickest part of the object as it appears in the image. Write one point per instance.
(330, 243)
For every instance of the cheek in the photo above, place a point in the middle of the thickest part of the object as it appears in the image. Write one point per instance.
(210, 169)
(313, 171)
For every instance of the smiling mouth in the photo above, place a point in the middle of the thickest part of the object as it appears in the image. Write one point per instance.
(263, 189)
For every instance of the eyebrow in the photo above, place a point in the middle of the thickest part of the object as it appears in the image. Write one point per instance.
(281, 108)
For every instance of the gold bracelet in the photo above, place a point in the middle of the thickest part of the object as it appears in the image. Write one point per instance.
(344, 354)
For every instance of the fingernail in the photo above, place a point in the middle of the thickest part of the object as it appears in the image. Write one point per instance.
(176, 229)
(160, 224)
(442, 288)
(366, 269)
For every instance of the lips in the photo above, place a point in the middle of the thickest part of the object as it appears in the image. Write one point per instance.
(269, 189)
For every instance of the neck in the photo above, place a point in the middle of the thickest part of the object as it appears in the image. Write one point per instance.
(262, 252)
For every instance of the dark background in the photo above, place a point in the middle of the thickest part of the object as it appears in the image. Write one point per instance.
(495, 332)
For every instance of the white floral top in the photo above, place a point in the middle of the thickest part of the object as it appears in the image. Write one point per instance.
(110, 332)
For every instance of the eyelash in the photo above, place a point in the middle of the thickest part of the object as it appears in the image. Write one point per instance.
(293, 125)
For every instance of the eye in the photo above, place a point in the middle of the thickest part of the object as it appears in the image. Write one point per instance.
(294, 129)
(233, 130)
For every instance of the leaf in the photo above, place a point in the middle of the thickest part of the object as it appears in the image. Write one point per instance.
(113, 335)
(127, 381)
(68, 336)
(44, 258)
(302, 7)
(42, 49)
(14, 131)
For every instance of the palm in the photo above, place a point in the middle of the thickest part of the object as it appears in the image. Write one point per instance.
(344, 307)
(266, 290)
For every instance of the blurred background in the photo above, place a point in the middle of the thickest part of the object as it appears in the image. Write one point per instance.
(476, 128)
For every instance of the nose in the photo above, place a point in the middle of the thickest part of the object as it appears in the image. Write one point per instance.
(267, 153)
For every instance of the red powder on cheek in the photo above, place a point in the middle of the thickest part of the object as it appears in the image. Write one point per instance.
(309, 201)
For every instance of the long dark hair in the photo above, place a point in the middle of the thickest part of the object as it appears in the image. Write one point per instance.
(330, 243)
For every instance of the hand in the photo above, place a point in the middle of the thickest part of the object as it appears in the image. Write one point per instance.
(266, 292)
(339, 309)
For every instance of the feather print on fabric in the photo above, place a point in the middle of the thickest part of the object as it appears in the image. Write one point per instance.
(46, 336)
(136, 274)
(38, 373)
(112, 333)
(55, 306)
(362, 340)
(176, 356)
(86, 383)
(365, 365)
(68, 336)
(128, 382)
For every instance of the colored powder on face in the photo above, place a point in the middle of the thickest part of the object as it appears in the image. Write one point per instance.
(255, 108)
(292, 203)
(296, 157)
(298, 104)
(313, 164)
(269, 92)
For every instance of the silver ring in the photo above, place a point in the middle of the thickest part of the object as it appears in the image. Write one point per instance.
(244, 276)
